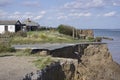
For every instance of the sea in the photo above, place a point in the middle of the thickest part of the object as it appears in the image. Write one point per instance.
(113, 45)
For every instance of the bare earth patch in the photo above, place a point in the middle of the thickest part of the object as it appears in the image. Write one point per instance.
(15, 68)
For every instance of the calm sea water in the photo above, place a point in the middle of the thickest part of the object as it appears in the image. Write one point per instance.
(114, 46)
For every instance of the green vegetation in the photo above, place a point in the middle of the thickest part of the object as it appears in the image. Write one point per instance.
(6, 50)
(11, 35)
(90, 38)
(42, 62)
(63, 34)
(46, 36)
(15, 53)
(49, 36)
(6, 54)
(65, 29)
(20, 34)
(98, 39)
(5, 44)
(26, 52)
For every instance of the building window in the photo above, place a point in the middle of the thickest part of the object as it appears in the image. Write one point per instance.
(6, 28)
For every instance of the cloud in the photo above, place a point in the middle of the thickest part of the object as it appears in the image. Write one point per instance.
(62, 17)
(22, 16)
(84, 4)
(90, 4)
(5, 2)
(38, 17)
(87, 14)
(113, 13)
(31, 3)
(16, 13)
(116, 3)
(43, 12)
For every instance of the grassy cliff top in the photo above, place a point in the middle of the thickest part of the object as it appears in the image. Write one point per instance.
(49, 36)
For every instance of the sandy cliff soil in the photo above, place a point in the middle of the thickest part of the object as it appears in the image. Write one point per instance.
(97, 64)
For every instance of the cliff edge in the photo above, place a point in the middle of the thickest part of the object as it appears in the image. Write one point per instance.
(96, 64)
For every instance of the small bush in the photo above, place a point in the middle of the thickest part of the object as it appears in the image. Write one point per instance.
(42, 62)
(11, 49)
(8, 34)
(6, 48)
(65, 29)
(90, 38)
(27, 51)
(35, 36)
(43, 36)
(21, 34)
(98, 39)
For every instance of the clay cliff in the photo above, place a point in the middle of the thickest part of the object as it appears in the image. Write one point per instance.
(96, 63)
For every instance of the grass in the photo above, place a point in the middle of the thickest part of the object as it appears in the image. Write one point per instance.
(17, 53)
(6, 54)
(22, 53)
(41, 62)
(44, 37)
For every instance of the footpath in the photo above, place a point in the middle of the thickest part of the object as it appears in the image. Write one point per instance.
(14, 68)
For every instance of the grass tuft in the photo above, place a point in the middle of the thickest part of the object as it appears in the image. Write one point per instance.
(42, 62)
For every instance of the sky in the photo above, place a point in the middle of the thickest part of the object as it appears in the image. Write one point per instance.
(82, 14)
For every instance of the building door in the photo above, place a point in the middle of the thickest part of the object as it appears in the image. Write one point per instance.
(6, 28)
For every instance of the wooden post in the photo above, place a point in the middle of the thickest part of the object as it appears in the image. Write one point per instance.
(73, 33)
(76, 33)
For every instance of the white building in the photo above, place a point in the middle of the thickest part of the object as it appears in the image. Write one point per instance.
(10, 26)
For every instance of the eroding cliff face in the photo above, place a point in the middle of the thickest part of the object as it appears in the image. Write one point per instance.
(97, 64)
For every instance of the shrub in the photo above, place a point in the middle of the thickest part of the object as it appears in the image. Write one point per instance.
(8, 34)
(43, 61)
(6, 48)
(11, 49)
(27, 51)
(21, 34)
(98, 39)
(43, 36)
(35, 36)
(5, 42)
(90, 38)
(65, 29)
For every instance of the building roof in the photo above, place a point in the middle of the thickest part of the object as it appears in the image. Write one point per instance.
(28, 22)
(9, 22)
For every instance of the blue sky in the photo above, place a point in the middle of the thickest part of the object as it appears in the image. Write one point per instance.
(101, 14)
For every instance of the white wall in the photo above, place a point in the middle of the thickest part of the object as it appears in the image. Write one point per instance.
(2, 28)
(11, 28)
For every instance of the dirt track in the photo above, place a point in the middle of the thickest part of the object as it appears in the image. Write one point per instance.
(14, 68)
